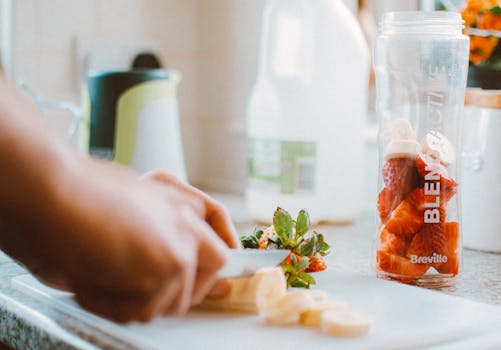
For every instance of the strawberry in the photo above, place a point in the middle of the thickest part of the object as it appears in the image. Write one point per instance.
(386, 202)
(418, 199)
(401, 267)
(405, 220)
(451, 238)
(393, 243)
(317, 263)
(400, 175)
(446, 183)
(289, 258)
(427, 241)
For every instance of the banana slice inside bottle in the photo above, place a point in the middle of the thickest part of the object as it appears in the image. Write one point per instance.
(345, 323)
(437, 143)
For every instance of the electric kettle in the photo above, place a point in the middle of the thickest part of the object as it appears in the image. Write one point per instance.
(129, 117)
(132, 118)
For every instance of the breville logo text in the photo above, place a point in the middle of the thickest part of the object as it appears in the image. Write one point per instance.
(434, 259)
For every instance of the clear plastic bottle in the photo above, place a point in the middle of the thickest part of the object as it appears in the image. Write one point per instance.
(307, 112)
(421, 61)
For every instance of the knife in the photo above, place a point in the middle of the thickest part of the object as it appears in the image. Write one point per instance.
(246, 262)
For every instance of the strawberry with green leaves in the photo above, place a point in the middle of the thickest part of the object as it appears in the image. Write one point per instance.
(307, 250)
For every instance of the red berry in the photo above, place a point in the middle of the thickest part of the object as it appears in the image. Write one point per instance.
(400, 175)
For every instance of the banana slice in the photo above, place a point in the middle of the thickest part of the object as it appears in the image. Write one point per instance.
(313, 317)
(244, 291)
(345, 323)
(272, 287)
(317, 295)
(398, 130)
(402, 148)
(435, 141)
(287, 309)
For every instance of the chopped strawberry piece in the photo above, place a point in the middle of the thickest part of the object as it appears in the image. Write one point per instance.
(446, 183)
(393, 243)
(405, 220)
(317, 263)
(403, 269)
(400, 175)
(419, 200)
(387, 201)
(428, 240)
(451, 238)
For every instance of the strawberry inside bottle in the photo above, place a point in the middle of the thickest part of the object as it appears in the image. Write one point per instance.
(420, 62)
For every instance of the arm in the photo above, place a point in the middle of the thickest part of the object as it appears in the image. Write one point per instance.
(129, 249)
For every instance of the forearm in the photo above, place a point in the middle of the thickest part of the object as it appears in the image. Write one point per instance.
(30, 163)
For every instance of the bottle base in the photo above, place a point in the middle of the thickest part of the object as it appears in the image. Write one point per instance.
(430, 281)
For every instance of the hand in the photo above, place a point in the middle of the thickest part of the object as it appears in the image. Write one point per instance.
(128, 249)
(216, 215)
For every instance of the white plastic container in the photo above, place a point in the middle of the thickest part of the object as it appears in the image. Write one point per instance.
(306, 115)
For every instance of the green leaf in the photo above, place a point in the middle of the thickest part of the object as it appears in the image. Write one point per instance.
(258, 232)
(282, 222)
(302, 223)
(496, 10)
(307, 278)
(298, 283)
(303, 264)
(308, 246)
(249, 242)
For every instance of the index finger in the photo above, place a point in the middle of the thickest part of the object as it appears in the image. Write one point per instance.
(216, 215)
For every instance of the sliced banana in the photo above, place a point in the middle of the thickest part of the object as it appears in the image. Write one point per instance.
(313, 317)
(243, 294)
(272, 286)
(345, 323)
(287, 309)
(399, 129)
(435, 141)
(317, 294)
(402, 148)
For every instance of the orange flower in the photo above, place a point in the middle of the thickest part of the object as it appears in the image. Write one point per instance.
(469, 16)
(481, 48)
(489, 20)
(479, 5)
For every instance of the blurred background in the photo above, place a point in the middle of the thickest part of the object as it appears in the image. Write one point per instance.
(214, 44)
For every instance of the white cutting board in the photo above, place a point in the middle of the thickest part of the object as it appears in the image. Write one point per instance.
(406, 317)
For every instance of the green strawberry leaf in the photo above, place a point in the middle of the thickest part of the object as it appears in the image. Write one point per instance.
(308, 246)
(249, 242)
(496, 10)
(302, 223)
(307, 278)
(303, 264)
(299, 283)
(258, 232)
(282, 222)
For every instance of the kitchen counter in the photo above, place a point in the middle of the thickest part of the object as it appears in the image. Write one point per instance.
(26, 323)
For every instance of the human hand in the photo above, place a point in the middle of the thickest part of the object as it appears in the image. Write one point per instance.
(128, 249)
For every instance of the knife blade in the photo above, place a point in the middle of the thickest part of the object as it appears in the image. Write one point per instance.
(246, 262)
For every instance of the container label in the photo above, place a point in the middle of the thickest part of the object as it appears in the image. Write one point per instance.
(282, 167)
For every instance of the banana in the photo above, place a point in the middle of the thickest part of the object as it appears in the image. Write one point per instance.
(287, 309)
(402, 148)
(400, 139)
(272, 286)
(345, 323)
(317, 294)
(435, 141)
(244, 290)
(313, 316)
